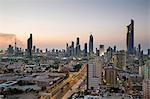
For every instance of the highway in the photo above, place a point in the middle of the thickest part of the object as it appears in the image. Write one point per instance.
(75, 87)
(60, 90)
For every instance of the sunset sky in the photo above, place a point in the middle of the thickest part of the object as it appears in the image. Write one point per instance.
(55, 22)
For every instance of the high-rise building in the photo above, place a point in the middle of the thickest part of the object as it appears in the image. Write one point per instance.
(148, 52)
(130, 38)
(46, 50)
(139, 52)
(29, 46)
(67, 47)
(146, 89)
(115, 48)
(97, 52)
(91, 44)
(67, 50)
(34, 48)
(37, 50)
(101, 50)
(110, 75)
(119, 59)
(78, 47)
(147, 70)
(139, 48)
(72, 48)
(78, 41)
(15, 50)
(146, 81)
(85, 49)
(109, 53)
(94, 71)
(10, 50)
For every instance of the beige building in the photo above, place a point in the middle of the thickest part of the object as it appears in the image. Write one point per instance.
(119, 59)
(146, 89)
(110, 76)
(146, 81)
(147, 70)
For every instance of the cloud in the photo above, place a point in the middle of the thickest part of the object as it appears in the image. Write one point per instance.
(9, 38)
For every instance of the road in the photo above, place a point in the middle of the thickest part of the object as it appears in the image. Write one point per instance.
(75, 88)
(59, 91)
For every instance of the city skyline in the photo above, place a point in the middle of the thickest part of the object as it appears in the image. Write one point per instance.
(74, 49)
(56, 23)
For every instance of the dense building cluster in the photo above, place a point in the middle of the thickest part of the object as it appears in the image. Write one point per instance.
(103, 73)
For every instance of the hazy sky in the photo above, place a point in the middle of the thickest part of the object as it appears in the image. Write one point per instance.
(55, 22)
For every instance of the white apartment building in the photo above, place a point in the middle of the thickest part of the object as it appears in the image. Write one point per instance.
(94, 71)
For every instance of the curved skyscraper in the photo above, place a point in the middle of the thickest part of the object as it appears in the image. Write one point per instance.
(130, 38)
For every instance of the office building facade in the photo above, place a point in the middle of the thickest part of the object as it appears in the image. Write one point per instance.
(94, 72)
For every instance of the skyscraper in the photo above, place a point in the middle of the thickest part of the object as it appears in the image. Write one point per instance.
(78, 41)
(94, 71)
(146, 81)
(29, 46)
(148, 52)
(46, 50)
(115, 48)
(67, 49)
(91, 44)
(110, 75)
(72, 48)
(85, 49)
(78, 47)
(101, 50)
(109, 53)
(34, 48)
(139, 48)
(130, 38)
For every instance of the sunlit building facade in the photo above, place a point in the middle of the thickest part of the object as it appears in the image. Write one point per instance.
(94, 72)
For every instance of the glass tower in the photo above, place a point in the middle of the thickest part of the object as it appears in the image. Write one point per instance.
(130, 38)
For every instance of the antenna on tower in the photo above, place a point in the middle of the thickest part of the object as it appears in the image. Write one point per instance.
(15, 45)
(15, 42)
